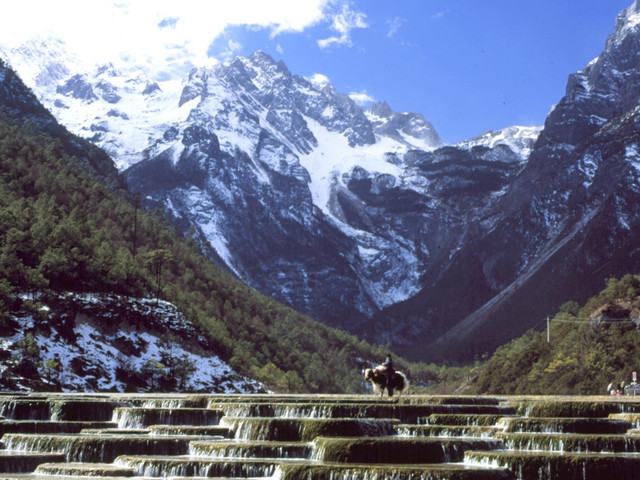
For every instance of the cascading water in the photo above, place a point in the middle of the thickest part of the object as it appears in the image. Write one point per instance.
(198, 467)
(264, 428)
(96, 448)
(210, 431)
(83, 410)
(304, 411)
(335, 437)
(140, 417)
(25, 409)
(175, 402)
(254, 449)
(446, 431)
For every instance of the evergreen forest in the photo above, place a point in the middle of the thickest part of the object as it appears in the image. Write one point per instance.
(585, 348)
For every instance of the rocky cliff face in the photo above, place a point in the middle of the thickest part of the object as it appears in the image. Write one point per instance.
(311, 199)
(566, 222)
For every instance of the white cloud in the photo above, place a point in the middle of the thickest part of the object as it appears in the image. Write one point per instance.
(342, 23)
(318, 79)
(155, 33)
(362, 98)
(229, 50)
(394, 26)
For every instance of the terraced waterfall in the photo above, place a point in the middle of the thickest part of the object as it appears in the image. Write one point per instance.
(317, 437)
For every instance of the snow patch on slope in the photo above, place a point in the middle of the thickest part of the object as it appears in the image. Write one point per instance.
(326, 165)
(519, 139)
(97, 348)
(334, 157)
(131, 125)
(210, 222)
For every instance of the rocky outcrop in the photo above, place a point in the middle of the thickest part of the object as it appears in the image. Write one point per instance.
(74, 344)
(402, 126)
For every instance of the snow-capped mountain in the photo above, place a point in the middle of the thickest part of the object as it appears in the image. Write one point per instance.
(361, 217)
(95, 342)
(405, 127)
(569, 220)
(291, 185)
(121, 115)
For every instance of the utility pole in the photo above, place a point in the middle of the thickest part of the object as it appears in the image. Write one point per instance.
(548, 336)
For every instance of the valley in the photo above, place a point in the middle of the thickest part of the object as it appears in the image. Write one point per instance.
(356, 216)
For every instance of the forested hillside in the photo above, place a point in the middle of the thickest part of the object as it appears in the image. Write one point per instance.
(63, 230)
(65, 226)
(588, 346)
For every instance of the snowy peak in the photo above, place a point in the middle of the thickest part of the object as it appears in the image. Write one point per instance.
(519, 139)
(626, 22)
(254, 158)
(129, 116)
(263, 71)
(193, 85)
(409, 128)
(256, 74)
(42, 62)
(283, 100)
(605, 88)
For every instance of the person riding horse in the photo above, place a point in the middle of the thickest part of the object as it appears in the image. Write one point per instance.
(390, 372)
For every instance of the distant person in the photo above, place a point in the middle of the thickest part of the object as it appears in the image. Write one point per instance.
(388, 364)
(612, 387)
(58, 362)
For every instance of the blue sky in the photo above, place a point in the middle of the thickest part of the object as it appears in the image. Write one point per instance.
(467, 65)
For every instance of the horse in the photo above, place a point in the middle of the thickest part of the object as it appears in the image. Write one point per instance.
(378, 378)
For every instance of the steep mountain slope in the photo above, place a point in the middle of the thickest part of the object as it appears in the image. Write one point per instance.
(587, 346)
(16, 100)
(297, 190)
(568, 221)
